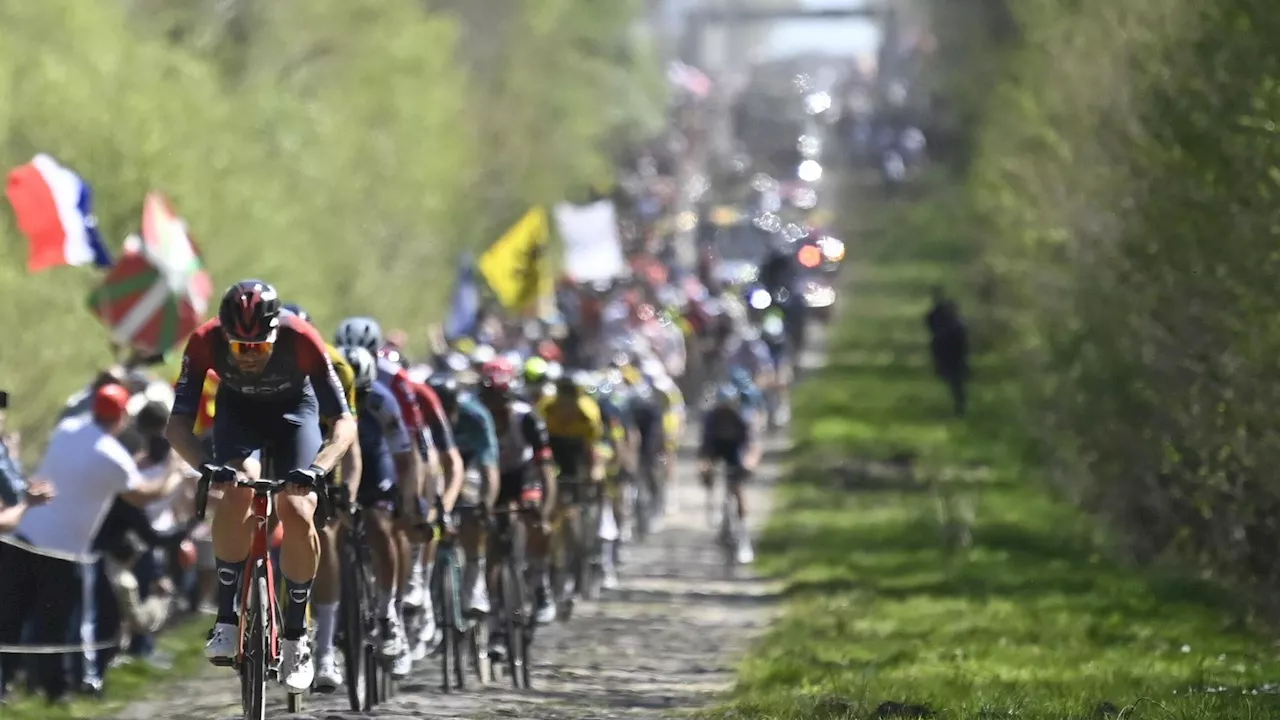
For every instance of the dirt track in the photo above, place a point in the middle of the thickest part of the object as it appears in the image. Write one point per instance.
(665, 641)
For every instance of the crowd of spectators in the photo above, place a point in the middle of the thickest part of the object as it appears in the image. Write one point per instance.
(98, 548)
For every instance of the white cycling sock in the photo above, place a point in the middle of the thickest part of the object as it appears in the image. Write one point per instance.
(391, 607)
(326, 623)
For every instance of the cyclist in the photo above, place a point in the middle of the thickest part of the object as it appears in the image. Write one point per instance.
(749, 352)
(477, 441)
(729, 436)
(388, 458)
(624, 439)
(752, 400)
(276, 383)
(525, 475)
(365, 332)
(447, 485)
(574, 427)
(327, 589)
(671, 402)
(646, 407)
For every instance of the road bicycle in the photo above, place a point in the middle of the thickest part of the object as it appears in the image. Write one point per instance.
(257, 657)
(359, 632)
(446, 593)
(514, 599)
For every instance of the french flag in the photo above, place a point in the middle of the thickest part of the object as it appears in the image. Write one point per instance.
(54, 207)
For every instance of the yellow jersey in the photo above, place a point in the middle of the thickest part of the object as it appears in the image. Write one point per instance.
(570, 420)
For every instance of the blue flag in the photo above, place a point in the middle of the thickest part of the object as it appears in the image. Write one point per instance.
(465, 305)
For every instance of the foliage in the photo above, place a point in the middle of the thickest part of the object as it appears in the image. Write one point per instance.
(924, 570)
(1126, 183)
(346, 150)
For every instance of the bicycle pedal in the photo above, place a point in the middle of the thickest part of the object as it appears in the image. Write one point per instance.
(223, 662)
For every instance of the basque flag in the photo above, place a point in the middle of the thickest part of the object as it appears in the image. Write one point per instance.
(54, 207)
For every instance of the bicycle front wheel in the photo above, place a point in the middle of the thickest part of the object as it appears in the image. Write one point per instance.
(353, 631)
(513, 615)
(257, 656)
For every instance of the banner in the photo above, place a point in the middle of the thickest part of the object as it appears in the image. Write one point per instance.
(515, 267)
(592, 246)
(464, 307)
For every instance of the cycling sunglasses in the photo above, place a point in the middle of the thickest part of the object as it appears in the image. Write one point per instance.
(250, 349)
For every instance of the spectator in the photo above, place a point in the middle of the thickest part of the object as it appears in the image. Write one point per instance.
(41, 565)
(949, 344)
(16, 495)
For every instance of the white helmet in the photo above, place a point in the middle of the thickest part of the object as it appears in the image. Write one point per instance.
(363, 332)
(362, 364)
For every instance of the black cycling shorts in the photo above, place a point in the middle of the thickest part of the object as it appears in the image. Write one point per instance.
(728, 452)
(384, 494)
(243, 426)
(513, 483)
(570, 455)
(648, 420)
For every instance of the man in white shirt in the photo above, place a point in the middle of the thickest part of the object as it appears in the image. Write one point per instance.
(40, 562)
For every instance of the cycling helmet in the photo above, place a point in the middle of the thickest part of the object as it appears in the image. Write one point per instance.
(250, 312)
(497, 374)
(391, 354)
(362, 364)
(445, 388)
(296, 310)
(362, 332)
(535, 370)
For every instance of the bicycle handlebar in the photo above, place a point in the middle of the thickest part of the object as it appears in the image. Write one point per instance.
(222, 475)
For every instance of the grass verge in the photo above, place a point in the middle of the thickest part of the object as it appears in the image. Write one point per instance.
(184, 642)
(928, 571)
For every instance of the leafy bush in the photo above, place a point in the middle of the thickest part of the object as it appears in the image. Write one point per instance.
(346, 150)
(1127, 185)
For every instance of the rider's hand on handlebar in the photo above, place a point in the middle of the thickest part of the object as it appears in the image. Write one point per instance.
(302, 482)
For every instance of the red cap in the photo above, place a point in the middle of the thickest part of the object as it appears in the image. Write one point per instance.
(109, 402)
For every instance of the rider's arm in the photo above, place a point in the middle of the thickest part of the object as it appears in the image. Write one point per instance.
(352, 469)
(535, 433)
(450, 458)
(488, 457)
(197, 361)
(404, 451)
(313, 360)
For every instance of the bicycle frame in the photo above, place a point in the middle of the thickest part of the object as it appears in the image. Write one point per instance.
(262, 508)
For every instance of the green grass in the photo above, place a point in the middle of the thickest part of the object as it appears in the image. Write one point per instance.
(960, 584)
(125, 683)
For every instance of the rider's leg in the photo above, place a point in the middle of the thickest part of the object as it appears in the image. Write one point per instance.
(324, 607)
(471, 537)
(231, 529)
(383, 548)
(296, 448)
(299, 558)
(235, 439)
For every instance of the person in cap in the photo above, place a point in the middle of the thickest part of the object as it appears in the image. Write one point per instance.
(41, 561)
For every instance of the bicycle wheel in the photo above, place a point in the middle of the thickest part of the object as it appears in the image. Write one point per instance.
(256, 659)
(591, 568)
(353, 630)
(442, 594)
(643, 501)
(512, 598)
(481, 663)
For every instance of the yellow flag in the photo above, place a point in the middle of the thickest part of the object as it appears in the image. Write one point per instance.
(514, 265)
